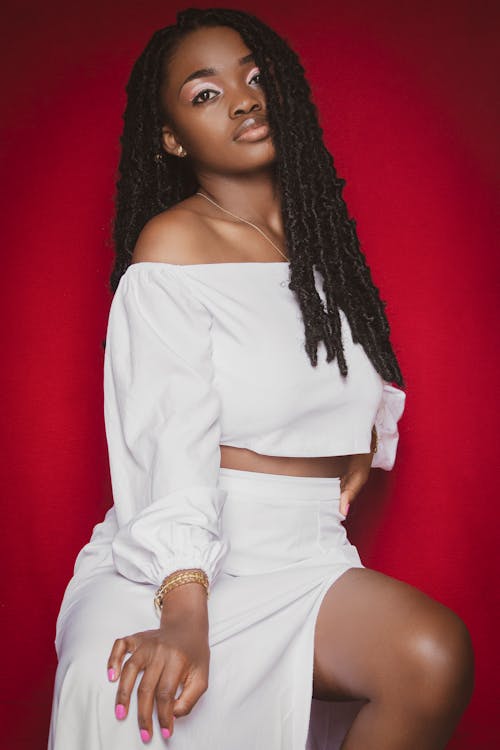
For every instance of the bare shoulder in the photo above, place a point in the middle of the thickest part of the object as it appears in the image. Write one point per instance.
(173, 236)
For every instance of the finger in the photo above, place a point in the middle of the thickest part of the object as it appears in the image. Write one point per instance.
(121, 647)
(345, 502)
(350, 486)
(165, 698)
(193, 688)
(129, 673)
(347, 495)
(145, 700)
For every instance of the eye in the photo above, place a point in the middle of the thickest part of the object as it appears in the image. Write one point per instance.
(198, 100)
(202, 101)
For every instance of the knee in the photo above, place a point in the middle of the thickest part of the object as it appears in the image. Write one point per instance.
(441, 659)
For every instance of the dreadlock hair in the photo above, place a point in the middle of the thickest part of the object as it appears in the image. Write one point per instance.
(318, 230)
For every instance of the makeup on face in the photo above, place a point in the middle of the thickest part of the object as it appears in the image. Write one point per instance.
(207, 72)
(191, 90)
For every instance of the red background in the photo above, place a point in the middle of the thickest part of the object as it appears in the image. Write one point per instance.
(406, 96)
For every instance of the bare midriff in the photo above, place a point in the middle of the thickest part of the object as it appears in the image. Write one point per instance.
(315, 466)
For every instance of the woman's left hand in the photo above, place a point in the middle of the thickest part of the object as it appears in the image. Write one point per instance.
(356, 475)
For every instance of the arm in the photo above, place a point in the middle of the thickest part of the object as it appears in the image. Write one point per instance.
(163, 434)
(162, 428)
(383, 445)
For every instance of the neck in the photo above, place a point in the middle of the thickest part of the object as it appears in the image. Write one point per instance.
(253, 197)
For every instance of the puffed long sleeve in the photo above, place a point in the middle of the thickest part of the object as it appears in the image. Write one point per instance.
(162, 427)
(388, 414)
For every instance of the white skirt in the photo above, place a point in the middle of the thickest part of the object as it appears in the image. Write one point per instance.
(287, 547)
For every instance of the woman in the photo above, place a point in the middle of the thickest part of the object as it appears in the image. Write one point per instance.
(248, 394)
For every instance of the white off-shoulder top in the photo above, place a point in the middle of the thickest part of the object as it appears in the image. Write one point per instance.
(203, 355)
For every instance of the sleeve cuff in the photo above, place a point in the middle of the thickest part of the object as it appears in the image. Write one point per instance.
(386, 423)
(179, 531)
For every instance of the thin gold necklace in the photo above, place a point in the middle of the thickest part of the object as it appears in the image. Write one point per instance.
(245, 221)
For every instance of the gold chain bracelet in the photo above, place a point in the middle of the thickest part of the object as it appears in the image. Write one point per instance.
(178, 578)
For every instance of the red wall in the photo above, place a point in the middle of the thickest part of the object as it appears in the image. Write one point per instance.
(405, 92)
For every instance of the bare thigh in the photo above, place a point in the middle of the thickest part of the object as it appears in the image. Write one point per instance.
(378, 637)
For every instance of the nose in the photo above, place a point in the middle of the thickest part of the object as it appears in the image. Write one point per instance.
(245, 101)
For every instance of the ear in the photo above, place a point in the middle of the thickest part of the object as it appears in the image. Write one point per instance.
(169, 140)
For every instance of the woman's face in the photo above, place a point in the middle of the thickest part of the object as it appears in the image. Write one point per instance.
(204, 113)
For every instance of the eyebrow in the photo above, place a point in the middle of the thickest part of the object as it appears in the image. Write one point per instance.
(212, 71)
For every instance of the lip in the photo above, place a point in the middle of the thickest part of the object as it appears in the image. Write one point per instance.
(254, 133)
(252, 129)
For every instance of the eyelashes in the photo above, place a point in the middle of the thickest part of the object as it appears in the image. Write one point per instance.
(197, 100)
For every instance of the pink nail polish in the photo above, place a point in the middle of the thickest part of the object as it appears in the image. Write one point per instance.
(145, 735)
(111, 674)
(120, 711)
(165, 732)
(347, 509)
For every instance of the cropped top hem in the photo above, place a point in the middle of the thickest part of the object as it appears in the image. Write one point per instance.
(309, 449)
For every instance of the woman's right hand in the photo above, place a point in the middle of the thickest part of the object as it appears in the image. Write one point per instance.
(177, 653)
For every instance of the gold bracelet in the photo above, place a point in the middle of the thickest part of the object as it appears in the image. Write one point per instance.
(374, 430)
(179, 577)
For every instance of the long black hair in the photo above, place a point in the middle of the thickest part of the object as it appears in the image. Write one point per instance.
(318, 230)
